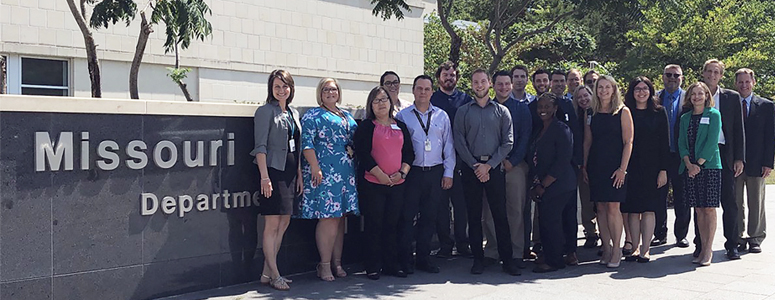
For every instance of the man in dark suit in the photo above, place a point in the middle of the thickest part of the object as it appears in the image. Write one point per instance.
(732, 149)
(758, 115)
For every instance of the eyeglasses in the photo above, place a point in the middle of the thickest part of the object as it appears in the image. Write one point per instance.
(589, 82)
(381, 100)
(674, 75)
(392, 83)
(330, 90)
(645, 89)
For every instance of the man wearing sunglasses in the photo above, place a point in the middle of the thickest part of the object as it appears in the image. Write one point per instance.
(671, 98)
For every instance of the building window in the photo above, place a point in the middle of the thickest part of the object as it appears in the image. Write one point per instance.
(46, 77)
(3, 74)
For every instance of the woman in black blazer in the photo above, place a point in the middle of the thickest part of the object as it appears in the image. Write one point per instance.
(554, 181)
(384, 150)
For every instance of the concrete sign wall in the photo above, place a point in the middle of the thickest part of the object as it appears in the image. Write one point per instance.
(103, 199)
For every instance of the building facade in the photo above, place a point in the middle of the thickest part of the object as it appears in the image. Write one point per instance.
(43, 50)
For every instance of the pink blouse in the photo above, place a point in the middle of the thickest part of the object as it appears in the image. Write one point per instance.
(386, 150)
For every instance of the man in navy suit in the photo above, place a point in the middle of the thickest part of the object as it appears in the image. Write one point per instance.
(731, 145)
(758, 115)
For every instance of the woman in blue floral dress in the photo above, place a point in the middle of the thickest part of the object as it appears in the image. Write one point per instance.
(329, 175)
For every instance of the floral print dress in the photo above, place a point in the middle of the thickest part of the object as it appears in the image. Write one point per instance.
(329, 135)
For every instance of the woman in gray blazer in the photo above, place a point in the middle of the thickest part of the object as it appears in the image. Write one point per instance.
(277, 139)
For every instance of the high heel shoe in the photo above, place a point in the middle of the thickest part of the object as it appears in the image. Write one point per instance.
(338, 270)
(325, 267)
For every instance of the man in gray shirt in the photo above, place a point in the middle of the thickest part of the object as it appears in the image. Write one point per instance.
(483, 138)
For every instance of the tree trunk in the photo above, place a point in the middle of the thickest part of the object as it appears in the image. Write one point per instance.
(455, 41)
(184, 87)
(142, 41)
(454, 48)
(91, 50)
(496, 61)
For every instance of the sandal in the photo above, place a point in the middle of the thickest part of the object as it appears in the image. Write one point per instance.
(279, 284)
(265, 279)
(338, 270)
(325, 267)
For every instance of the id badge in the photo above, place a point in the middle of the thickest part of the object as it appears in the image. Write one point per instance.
(395, 127)
(705, 120)
(427, 145)
(292, 145)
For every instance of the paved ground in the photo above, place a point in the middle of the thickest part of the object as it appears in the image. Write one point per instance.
(670, 275)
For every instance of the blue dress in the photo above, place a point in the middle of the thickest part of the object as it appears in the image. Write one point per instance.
(328, 134)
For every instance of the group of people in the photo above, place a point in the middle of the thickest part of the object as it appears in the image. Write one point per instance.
(512, 169)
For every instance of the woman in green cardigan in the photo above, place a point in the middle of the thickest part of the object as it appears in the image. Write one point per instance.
(701, 163)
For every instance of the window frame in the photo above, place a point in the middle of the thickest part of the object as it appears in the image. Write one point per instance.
(14, 74)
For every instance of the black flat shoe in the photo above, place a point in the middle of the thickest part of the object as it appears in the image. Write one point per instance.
(627, 252)
(631, 258)
(544, 268)
(477, 268)
(643, 260)
(373, 276)
(658, 242)
(396, 273)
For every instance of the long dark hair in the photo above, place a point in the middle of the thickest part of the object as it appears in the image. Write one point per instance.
(629, 97)
(370, 100)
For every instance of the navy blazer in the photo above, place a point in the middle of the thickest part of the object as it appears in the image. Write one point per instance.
(759, 136)
(551, 155)
(566, 113)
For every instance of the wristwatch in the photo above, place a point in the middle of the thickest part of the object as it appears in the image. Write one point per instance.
(403, 175)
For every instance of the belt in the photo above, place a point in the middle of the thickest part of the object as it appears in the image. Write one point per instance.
(483, 158)
(426, 169)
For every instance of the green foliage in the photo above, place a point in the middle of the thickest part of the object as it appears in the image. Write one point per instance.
(741, 33)
(108, 12)
(387, 9)
(184, 20)
(178, 74)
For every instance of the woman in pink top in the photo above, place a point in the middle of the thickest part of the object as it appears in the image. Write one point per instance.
(383, 147)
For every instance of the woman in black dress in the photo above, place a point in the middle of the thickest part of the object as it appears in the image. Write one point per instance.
(276, 140)
(648, 165)
(607, 149)
(582, 100)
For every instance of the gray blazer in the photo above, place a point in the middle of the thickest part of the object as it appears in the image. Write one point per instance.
(270, 134)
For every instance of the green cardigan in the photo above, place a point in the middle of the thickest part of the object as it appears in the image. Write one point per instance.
(706, 145)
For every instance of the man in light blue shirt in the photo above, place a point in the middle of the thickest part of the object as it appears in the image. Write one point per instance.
(431, 173)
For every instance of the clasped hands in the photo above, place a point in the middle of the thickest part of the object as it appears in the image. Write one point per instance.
(482, 171)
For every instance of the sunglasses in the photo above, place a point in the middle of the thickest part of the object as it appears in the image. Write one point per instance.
(673, 75)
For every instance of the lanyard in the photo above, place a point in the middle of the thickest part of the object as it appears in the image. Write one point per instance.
(427, 126)
(288, 116)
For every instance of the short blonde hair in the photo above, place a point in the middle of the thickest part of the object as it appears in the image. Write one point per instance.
(616, 97)
(714, 61)
(687, 105)
(323, 82)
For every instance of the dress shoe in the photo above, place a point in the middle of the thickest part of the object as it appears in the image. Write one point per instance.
(696, 252)
(732, 254)
(625, 251)
(591, 242)
(408, 269)
(478, 267)
(754, 248)
(396, 273)
(742, 247)
(538, 248)
(511, 269)
(544, 268)
(643, 260)
(658, 242)
(444, 253)
(682, 243)
(427, 267)
(571, 259)
(464, 251)
(489, 261)
(373, 276)
(631, 258)
(529, 255)
(519, 263)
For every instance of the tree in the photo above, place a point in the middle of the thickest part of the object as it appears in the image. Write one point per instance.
(184, 20)
(515, 21)
(81, 15)
(109, 12)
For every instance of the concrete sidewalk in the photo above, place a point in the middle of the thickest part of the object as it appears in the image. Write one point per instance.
(669, 275)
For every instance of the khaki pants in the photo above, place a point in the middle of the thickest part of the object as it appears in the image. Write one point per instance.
(516, 195)
(757, 223)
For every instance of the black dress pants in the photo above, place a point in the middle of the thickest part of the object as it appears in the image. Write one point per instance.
(554, 238)
(570, 223)
(381, 207)
(453, 196)
(496, 198)
(728, 205)
(423, 194)
(682, 211)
